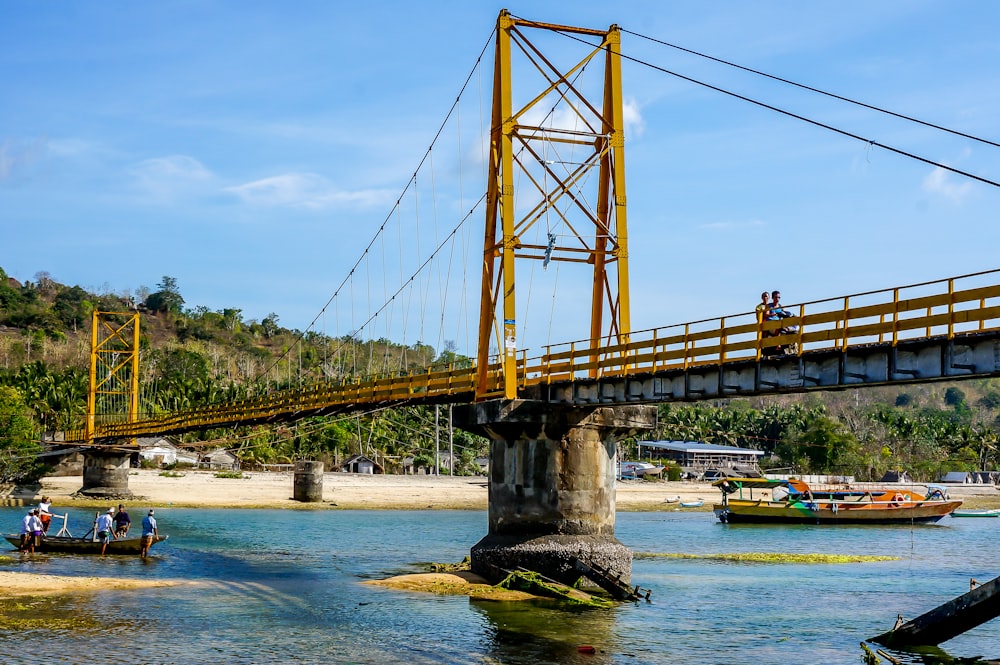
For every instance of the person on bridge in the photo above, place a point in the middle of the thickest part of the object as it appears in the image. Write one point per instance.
(122, 522)
(777, 311)
(104, 528)
(764, 308)
(149, 534)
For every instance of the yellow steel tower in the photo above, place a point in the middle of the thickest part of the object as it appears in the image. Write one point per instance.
(525, 144)
(114, 369)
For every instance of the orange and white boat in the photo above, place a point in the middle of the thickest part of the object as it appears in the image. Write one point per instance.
(794, 501)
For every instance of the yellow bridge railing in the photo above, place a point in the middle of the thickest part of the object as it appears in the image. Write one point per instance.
(944, 308)
(948, 307)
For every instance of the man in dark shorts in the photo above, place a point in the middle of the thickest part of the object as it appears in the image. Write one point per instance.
(149, 534)
(122, 522)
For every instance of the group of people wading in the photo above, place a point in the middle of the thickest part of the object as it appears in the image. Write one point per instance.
(108, 526)
(770, 309)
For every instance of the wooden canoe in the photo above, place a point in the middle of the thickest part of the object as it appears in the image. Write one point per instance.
(70, 545)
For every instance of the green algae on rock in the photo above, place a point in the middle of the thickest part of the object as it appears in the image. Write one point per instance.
(770, 557)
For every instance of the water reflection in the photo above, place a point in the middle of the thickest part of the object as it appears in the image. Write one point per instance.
(537, 632)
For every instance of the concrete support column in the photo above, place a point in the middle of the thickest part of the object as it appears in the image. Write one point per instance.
(105, 474)
(552, 485)
(307, 483)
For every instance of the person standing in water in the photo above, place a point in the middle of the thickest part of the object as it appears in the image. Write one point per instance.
(45, 513)
(104, 528)
(149, 534)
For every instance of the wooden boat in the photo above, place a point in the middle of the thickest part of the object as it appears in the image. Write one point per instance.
(793, 501)
(634, 470)
(71, 545)
(65, 542)
(976, 513)
(692, 504)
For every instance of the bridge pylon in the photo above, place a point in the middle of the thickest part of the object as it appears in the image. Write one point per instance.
(114, 390)
(540, 159)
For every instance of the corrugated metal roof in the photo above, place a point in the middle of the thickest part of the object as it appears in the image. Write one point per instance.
(698, 447)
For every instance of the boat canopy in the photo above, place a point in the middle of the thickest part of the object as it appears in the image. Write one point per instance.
(794, 486)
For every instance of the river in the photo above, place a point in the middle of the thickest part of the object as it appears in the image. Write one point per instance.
(283, 586)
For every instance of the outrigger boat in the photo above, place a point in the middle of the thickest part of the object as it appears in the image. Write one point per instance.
(995, 512)
(793, 501)
(65, 542)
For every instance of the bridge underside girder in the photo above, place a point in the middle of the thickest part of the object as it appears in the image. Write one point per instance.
(937, 358)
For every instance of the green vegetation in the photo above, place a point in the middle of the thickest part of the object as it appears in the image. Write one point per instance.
(18, 451)
(229, 474)
(192, 357)
(934, 429)
(533, 583)
(769, 557)
(196, 356)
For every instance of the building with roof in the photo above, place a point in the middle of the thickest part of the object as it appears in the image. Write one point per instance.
(695, 458)
(361, 464)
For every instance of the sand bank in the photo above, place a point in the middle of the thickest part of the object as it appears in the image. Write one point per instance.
(33, 584)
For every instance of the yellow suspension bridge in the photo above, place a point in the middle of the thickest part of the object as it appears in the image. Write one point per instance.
(944, 329)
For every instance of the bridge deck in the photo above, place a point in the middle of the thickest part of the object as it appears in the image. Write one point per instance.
(947, 329)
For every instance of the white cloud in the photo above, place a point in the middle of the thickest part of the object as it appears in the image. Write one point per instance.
(940, 181)
(20, 158)
(305, 190)
(169, 177)
(632, 118)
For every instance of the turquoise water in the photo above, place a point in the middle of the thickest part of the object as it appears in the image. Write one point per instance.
(283, 586)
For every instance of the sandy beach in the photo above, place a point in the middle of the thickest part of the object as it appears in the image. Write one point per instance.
(191, 489)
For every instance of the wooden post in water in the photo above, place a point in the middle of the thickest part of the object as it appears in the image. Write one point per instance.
(949, 620)
(308, 481)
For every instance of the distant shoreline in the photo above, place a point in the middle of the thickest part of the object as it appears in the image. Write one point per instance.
(348, 491)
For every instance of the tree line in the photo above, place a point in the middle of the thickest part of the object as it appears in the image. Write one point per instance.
(194, 356)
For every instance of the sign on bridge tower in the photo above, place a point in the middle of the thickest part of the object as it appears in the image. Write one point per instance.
(548, 148)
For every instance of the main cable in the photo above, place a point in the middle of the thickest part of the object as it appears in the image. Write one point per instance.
(816, 90)
(817, 123)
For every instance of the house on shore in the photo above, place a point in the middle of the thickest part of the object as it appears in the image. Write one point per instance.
(698, 460)
(361, 464)
(162, 451)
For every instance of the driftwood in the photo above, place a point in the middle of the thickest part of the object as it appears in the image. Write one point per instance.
(979, 605)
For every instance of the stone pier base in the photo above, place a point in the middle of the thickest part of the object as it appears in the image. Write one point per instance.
(553, 556)
(552, 485)
(105, 474)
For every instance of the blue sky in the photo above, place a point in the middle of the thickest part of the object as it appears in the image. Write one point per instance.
(251, 149)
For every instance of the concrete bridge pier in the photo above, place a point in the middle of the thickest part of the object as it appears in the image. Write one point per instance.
(105, 474)
(307, 483)
(552, 485)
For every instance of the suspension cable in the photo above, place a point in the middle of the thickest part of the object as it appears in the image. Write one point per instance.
(817, 90)
(817, 123)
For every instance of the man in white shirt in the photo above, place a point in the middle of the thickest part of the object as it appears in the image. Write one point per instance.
(27, 532)
(104, 529)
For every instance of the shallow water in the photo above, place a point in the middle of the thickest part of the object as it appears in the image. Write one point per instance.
(284, 586)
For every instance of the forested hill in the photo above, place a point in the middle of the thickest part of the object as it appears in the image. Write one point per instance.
(193, 356)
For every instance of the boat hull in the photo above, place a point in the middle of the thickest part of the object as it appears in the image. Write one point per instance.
(737, 511)
(84, 545)
(976, 513)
